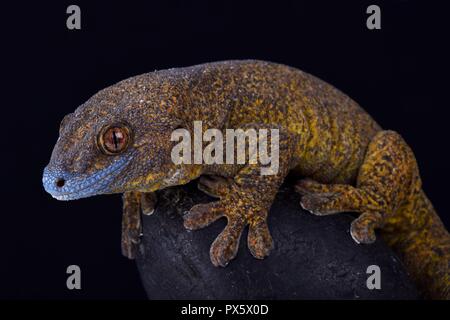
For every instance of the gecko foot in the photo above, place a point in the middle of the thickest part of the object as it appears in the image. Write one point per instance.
(225, 247)
(322, 199)
(362, 228)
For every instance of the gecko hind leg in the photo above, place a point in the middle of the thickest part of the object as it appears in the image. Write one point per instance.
(323, 199)
(384, 180)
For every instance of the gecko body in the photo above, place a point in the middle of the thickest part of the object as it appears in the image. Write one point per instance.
(119, 141)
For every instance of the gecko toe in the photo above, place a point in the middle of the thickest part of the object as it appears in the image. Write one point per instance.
(362, 234)
(202, 215)
(318, 204)
(259, 240)
(148, 203)
(214, 186)
(309, 186)
(226, 245)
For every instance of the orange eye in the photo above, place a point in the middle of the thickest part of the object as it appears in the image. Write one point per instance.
(114, 139)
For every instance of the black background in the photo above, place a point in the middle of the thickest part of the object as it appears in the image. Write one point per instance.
(398, 74)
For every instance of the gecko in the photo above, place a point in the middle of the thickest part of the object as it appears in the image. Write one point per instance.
(119, 141)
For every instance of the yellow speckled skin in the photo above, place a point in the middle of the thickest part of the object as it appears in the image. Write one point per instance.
(348, 163)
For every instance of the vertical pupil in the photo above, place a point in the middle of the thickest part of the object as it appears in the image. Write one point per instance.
(115, 139)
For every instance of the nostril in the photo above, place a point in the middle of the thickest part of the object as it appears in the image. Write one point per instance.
(60, 183)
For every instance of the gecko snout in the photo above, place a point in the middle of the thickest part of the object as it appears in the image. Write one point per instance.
(69, 185)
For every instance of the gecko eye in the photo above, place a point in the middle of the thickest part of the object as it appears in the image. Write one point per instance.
(114, 139)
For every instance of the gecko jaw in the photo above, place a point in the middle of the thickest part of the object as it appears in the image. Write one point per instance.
(63, 185)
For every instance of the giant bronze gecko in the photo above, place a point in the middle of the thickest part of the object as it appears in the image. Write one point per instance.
(119, 141)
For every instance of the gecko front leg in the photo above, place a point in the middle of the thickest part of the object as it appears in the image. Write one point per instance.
(245, 200)
(133, 203)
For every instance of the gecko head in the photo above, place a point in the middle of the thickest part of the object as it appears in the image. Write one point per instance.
(118, 141)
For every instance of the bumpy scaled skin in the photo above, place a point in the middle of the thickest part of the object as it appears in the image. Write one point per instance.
(348, 162)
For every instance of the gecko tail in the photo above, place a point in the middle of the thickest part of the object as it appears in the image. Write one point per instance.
(424, 248)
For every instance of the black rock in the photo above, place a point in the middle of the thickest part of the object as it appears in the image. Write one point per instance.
(314, 257)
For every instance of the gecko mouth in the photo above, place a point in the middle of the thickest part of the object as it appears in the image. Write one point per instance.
(63, 185)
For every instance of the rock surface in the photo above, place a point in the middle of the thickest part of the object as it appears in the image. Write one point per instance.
(314, 257)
